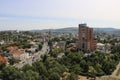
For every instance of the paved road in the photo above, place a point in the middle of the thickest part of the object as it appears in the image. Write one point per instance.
(44, 50)
(34, 57)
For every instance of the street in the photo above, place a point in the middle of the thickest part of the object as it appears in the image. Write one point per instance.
(35, 57)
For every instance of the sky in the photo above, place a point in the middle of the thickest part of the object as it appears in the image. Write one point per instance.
(52, 14)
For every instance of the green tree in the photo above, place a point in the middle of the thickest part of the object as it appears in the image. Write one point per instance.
(44, 57)
(12, 61)
(27, 67)
(72, 76)
(39, 46)
(54, 76)
(76, 69)
(10, 73)
(40, 68)
(84, 66)
(108, 67)
(2, 65)
(115, 49)
(31, 75)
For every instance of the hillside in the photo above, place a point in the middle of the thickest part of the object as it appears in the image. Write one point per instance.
(75, 30)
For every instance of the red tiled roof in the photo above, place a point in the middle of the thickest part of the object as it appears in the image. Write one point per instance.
(2, 59)
(12, 47)
(17, 52)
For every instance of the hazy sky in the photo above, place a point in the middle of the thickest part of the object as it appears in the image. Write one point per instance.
(43, 14)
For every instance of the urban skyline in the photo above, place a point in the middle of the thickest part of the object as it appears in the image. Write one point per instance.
(29, 14)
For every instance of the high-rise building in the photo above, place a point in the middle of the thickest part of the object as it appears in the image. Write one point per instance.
(86, 38)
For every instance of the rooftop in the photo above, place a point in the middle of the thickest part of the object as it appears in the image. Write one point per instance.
(2, 59)
(83, 25)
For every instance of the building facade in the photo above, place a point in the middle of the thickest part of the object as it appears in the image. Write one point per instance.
(86, 38)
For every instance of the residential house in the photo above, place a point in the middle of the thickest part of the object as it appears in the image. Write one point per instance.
(60, 44)
(16, 54)
(11, 48)
(2, 59)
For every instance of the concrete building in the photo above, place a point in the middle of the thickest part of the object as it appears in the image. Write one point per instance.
(86, 38)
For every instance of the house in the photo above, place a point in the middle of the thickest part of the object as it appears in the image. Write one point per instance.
(20, 54)
(72, 47)
(104, 47)
(33, 48)
(10, 48)
(24, 56)
(117, 44)
(100, 46)
(2, 42)
(60, 44)
(60, 55)
(17, 54)
(2, 59)
(7, 55)
(32, 42)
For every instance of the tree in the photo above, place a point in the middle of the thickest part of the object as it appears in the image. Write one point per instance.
(39, 47)
(58, 68)
(27, 67)
(31, 75)
(56, 39)
(10, 73)
(76, 69)
(2, 65)
(84, 66)
(44, 57)
(108, 67)
(115, 49)
(40, 68)
(92, 72)
(26, 45)
(54, 76)
(12, 61)
(72, 76)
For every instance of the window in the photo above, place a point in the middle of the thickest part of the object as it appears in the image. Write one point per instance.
(83, 45)
(83, 35)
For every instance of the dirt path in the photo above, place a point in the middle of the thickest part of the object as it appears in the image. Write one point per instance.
(115, 72)
(113, 76)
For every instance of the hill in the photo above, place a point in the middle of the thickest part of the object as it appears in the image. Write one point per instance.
(110, 31)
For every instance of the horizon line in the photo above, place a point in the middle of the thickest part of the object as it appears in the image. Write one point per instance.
(56, 28)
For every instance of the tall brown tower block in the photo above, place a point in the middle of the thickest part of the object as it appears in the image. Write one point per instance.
(86, 38)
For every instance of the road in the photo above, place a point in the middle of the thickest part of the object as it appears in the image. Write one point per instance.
(35, 57)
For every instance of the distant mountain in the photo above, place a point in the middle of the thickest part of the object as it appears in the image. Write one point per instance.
(75, 30)
(61, 30)
(108, 30)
